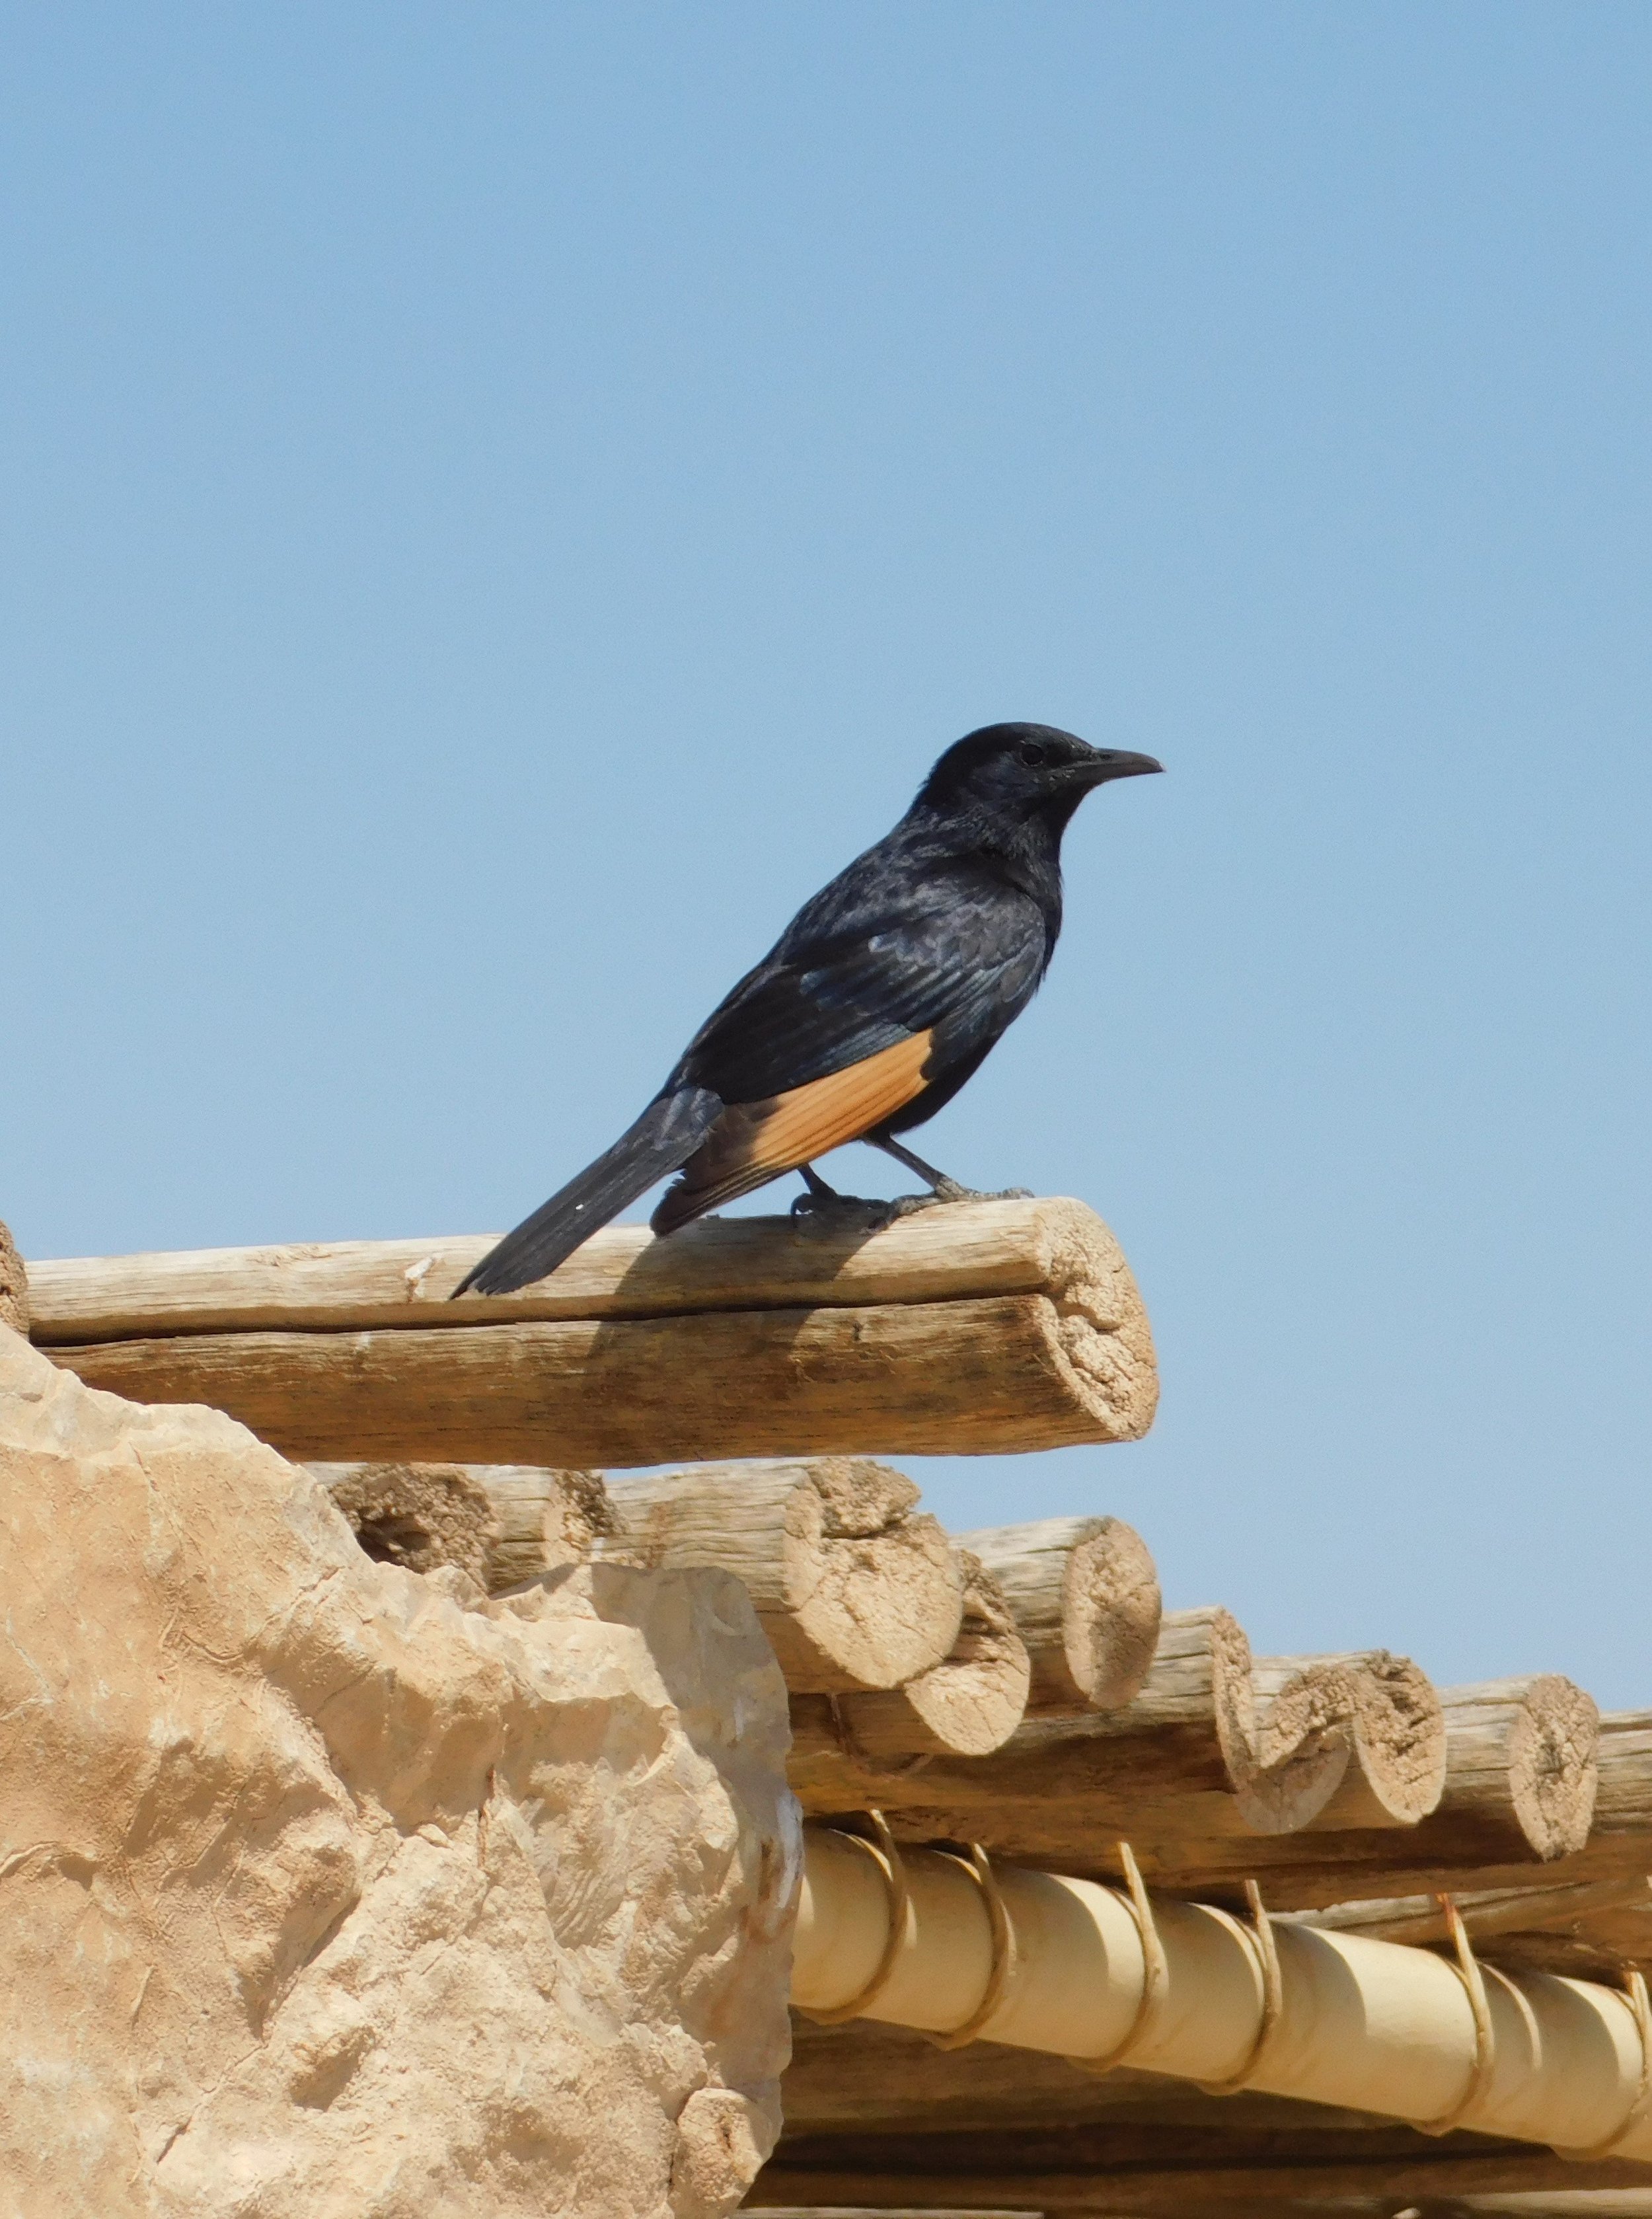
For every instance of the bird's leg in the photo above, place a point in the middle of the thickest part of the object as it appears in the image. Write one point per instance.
(821, 1202)
(943, 1189)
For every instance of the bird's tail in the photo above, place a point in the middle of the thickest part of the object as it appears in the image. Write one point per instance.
(662, 1139)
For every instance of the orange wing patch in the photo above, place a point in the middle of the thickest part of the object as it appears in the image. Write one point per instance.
(753, 1142)
(794, 1127)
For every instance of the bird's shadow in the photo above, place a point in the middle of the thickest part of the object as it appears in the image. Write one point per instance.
(726, 1309)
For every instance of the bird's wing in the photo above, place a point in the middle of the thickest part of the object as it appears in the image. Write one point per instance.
(958, 971)
(825, 1042)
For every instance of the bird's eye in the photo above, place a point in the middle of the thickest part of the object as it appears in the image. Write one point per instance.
(1031, 754)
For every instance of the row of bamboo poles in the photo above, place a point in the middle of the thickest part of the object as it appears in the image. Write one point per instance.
(1019, 1687)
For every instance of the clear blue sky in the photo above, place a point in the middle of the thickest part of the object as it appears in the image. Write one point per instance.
(500, 502)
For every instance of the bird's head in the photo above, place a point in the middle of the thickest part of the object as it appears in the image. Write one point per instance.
(1025, 771)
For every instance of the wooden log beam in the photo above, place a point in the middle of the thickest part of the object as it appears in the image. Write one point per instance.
(918, 1379)
(1436, 2178)
(1213, 1750)
(14, 1285)
(1485, 1916)
(855, 1586)
(972, 1329)
(1447, 1849)
(1521, 1768)
(418, 1515)
(968, 1705)
(956, 1252)
(1086, 1602)
(501, 1523)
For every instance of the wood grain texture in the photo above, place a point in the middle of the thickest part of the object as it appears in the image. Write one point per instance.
(1313, 1870)
(855, 1586)
(1488, 1915)
(966, 1704)
(953, 1251)
(967, 2180)
(1215, 1749)
(1086, 1601)
(976, 1378)
(501, 1523)
(1521, 1767)
(419, 1515)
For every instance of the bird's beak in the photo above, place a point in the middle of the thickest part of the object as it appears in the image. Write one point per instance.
(1106, 763)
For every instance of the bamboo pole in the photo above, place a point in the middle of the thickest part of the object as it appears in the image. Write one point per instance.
(1086, 1601)
(1046, 1962)
(855, 1586)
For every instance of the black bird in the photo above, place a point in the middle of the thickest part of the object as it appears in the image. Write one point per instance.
(878, 1001)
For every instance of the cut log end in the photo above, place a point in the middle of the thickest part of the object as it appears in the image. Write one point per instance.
(14, 1285)
(546, 1518)
(856, 1589)
(501, 1524)
(421, 1516)
(1344, 1742)
(1523, 1763)
(1085, 1597)
(968, 1705)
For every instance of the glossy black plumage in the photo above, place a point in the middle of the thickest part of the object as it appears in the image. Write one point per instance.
(874, 1006)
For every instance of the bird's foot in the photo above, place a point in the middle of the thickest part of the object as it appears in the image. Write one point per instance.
(833, 1213)
(906, 1205)
(823, 1208)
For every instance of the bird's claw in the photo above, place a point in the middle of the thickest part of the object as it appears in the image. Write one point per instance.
(906, 1205)
(831, 1210)
(951, 1190)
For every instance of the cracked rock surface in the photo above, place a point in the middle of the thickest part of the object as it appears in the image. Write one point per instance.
(325, 1889)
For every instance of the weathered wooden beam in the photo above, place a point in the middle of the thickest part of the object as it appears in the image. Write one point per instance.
(855, 1586)
(1086, 1601)
(1446, 1850)
(14, 1285)
(1521, 1770)
(419, 1515)
(871, 1357)
(921, 1379)
(1485, 1916)
(955, 1251)
(501, 1523)
(1435, 2179)
(1214, 1748)
(968, 1705)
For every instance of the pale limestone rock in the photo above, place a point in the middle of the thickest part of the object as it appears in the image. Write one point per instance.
(14, 1285)
(331, 1893)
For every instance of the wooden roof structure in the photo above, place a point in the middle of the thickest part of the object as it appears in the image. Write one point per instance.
(1019, 1688)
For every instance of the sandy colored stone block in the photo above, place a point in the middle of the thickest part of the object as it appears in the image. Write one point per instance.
(13, 1284)
(333, 1892)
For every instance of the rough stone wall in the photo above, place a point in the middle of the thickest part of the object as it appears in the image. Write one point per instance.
(328, 1889)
